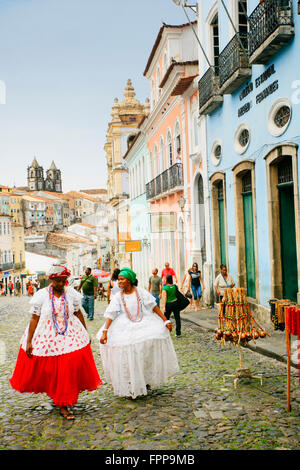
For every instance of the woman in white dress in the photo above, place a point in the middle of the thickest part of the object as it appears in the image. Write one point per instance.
(135, 343)
(55, 355)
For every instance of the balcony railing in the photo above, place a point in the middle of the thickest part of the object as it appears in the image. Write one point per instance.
(6, 266)
(18, 266)
(175, 176)
(150, 189)
(270, 27)
(209, 95)
(166, 181)
(158, 185)
(234, 64)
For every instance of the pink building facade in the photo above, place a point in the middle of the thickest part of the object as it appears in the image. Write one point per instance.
(173, 143)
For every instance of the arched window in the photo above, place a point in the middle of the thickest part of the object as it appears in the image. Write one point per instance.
(242, 16)
(131, 183)
(177, 143)
(215, 43)
(156, 171)
(158, 80)
(143, 177)
(195, 131)
(165, 63)
(150, 167)
(152, 93)
(162, 155)
(140, 178)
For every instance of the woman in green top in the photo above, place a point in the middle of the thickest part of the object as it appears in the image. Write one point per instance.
(170, 304)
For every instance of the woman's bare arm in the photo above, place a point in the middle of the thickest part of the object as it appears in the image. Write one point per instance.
(32, 327)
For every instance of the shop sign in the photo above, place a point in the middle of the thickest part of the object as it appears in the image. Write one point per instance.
(261, 96)
(133, 246)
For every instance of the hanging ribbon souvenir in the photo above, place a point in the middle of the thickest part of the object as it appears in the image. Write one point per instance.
(60, 313)
(236, 323)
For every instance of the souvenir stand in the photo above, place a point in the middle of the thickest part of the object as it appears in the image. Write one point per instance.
(237, 326)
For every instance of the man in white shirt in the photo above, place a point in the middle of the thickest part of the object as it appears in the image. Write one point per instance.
(223, 281)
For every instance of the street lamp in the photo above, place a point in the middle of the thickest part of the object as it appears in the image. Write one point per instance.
(181, 202)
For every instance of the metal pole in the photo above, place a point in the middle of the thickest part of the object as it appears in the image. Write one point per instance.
(236, 32)
(288, 359)
(196, 35)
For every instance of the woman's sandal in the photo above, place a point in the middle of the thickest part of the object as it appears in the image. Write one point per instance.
(67, 415)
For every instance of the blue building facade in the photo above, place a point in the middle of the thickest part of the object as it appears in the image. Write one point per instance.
(249, 96)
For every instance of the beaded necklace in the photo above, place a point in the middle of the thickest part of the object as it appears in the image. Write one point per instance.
(134, 318)
(64, 306)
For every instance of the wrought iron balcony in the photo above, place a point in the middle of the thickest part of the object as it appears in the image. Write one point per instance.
(6, 266)
(150, 189)
(167, 181)
(175, 176)
(18, 266)
(210, 97)
(234, 64)
(271, 26)
(158, 186)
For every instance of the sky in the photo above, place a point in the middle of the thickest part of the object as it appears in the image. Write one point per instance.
(62, 63)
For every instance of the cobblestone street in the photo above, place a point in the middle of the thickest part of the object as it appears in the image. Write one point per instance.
(195, 410)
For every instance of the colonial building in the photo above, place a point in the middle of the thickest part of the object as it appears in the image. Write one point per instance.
(18, 249)
(6, 251)
(136, 159)
(175, 168)
(126, 117)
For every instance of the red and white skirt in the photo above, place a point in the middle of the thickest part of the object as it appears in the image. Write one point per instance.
(62, 377)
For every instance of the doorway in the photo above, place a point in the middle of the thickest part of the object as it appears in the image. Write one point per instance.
(287, 229)
(249, 233)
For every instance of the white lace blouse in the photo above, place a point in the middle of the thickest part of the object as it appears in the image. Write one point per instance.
(46, 341)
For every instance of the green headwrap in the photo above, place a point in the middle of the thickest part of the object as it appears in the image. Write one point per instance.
(129, 274)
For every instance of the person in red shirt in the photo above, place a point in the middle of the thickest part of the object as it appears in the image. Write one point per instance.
(168, 271)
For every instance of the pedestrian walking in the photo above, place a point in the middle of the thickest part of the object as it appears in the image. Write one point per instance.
(2, 289)
(155, 286)
(223, 281)
(135, 343)
(101, 291)
(167, 270)
(185, 287)
(55, 356)
(29, 288)
(113, 287)
(10, 287)
(170, 303)
(196, 284)
(89, 286)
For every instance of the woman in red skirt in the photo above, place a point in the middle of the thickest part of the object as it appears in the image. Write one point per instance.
(55, 355)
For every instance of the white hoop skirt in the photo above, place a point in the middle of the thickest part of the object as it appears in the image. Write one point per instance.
(137, 354)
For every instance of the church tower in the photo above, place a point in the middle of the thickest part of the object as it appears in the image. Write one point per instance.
(35, 176)
(53, 179)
